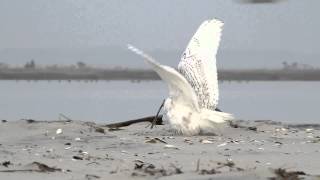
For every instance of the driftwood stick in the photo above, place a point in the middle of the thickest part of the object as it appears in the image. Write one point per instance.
(128, 123)
(154, 122)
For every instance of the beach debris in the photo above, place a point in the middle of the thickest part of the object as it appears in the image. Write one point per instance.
(154, 140)
(34, 167)
(284, 174)
(49, 150)
(4, 121)
(100, 130)
(59, 131)
(77, 158)
(235, 124)
(230, 164)
(124, 152)
(176, 169)
(189, 141)
(316, 140)
(309, 130)
(206, 141)
(77, 139)
(115, 129)
(94, 126)
(278, 143)
(6, 163)
(223, 144)
(206, 172)
(40, 167)
(83, 152)
(252, 128)
(84, 155)
(140, 164)
(91, 177)
(30, 120)
(68, 144)
(151, 170)
(26, 149)
(169, 146)
(151, 119)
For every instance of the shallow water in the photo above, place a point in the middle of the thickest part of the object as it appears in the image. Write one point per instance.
(107, 101)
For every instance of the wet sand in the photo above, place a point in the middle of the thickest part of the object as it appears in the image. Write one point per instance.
(85, 150)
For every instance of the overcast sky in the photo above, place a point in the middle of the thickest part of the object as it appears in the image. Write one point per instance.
(290, 26)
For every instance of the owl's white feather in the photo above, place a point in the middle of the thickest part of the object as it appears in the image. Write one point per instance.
(179, 89)
(198, 63)
(193, 91)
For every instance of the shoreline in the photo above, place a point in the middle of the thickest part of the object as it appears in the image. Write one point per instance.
(92, 74)
(86, 150)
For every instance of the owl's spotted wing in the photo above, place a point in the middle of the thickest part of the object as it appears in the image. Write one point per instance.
(198, 63)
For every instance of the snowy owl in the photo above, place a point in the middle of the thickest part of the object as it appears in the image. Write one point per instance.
(193, 90)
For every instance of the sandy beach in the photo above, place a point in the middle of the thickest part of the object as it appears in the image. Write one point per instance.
(86, 150)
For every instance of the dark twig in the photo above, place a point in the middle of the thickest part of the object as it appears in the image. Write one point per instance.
(150, 119)
(157, 115)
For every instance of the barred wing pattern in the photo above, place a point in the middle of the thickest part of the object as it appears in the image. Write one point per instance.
(198, 63)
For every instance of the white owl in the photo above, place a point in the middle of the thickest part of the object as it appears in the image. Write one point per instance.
(193, 91)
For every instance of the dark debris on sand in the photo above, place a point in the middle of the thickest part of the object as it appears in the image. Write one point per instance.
(6, 163)
(230, 164)
(91, 177)
(35, 167)
(143, 169)
(282, 174)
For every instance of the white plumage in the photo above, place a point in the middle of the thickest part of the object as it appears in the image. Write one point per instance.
(198, 63)
(193, 91)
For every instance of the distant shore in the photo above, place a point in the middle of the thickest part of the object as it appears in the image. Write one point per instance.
(141, 74)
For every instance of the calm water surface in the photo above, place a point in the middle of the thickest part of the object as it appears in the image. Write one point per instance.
(106, 101)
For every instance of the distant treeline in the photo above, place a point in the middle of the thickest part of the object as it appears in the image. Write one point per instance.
(86, 73)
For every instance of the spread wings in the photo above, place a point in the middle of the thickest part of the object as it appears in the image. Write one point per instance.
(179, 89)
(198, 63)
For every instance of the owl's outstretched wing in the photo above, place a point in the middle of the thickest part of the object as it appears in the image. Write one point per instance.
(180, 90)
(198, 63)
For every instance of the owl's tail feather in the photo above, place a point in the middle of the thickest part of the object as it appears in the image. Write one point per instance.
(214, 121)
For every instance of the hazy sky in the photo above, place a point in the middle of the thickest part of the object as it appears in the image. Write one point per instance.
(167, 24)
